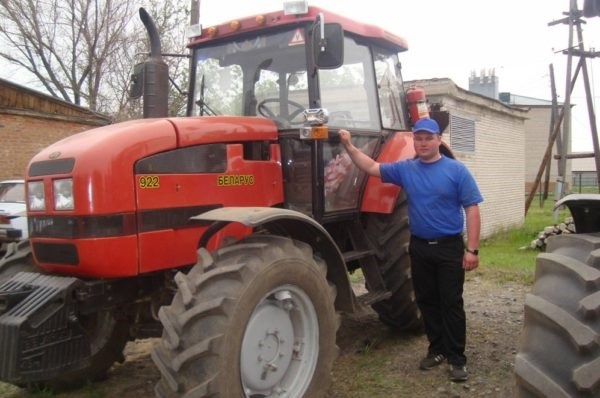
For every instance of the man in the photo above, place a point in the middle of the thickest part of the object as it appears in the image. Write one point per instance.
(438, 189)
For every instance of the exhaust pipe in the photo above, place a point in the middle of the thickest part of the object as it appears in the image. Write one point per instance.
(154, 74)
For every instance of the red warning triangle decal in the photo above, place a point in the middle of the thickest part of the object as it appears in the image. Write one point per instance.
(297, 39)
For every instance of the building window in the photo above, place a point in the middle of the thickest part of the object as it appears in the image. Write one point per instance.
(462, 134)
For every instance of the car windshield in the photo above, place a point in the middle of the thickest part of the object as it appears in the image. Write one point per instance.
(12, 192)
(260, 75)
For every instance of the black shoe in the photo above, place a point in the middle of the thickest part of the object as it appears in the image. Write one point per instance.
(431, 361)
(458, 373)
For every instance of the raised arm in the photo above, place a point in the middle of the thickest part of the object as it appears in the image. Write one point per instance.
(362, 161)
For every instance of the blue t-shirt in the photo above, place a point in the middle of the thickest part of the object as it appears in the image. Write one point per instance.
(437, 192)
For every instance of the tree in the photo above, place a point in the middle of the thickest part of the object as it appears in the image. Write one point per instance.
(82, 51)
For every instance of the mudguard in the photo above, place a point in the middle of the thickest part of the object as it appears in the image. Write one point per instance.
(585, 209)
(296, 226)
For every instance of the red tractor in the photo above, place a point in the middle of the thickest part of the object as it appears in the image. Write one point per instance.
(229, 232)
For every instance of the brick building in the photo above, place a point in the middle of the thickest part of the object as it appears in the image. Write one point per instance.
(488, 136)
(30, 121)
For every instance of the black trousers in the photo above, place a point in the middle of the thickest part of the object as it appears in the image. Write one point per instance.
(438, 279)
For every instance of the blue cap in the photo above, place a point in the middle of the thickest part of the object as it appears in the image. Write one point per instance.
(426, 125)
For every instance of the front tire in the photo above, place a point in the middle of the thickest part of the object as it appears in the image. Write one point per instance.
(107, 338)
(256, 319)
(559, 355)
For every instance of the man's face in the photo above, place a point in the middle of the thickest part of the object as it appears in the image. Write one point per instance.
(427, 145)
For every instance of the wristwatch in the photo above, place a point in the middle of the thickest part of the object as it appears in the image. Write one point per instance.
(472, 251)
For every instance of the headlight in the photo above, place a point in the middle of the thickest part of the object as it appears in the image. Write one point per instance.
(295, 7)
(63, 194)
(35, 197)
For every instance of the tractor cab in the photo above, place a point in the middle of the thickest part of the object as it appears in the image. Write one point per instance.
(312, 73)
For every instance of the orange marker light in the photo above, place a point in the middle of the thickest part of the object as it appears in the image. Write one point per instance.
(260, 20)
(212, 31)
(235, 25)
(319, 132)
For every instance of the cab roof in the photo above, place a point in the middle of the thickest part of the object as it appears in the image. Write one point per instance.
(276, 19)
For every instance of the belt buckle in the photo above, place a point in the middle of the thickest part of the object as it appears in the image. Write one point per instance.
(432, 242)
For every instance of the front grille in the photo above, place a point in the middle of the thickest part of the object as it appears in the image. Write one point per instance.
(50, 167)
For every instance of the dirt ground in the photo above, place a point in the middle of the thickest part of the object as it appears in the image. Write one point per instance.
(374, 361)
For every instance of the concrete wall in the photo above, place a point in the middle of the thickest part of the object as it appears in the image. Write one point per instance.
(498, 163)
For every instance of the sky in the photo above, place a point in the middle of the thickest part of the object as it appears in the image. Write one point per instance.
(452, 39)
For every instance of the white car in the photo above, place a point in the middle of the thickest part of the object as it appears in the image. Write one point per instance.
(13, 217)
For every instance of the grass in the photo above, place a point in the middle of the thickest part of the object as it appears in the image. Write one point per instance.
(506, 255)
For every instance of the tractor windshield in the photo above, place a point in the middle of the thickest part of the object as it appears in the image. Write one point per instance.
(260, 75)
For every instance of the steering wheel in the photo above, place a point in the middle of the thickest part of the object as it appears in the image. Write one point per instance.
(268, 113)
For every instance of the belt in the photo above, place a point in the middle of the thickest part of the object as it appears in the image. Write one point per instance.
(443, 239)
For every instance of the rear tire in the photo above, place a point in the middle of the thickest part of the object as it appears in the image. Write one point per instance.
(257, 321)
(559, 354)
(390, 237)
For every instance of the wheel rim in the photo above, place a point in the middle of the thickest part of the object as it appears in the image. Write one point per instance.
(280, 347)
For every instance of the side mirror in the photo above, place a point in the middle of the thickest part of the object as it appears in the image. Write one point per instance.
(328, 45)
(136, 84)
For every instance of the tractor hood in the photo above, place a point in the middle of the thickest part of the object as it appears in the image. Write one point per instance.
(101, 161)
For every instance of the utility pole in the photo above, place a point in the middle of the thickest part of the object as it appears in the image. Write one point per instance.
(589, 101)
(566, 134)
(553, 117)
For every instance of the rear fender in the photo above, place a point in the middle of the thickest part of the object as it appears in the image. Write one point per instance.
(585, 209)
(295, 225)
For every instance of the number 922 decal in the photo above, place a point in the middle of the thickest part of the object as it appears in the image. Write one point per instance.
(148, 182)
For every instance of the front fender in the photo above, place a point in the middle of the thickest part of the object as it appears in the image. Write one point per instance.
(297, 226)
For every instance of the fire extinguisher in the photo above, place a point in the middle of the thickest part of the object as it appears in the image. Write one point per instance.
(417, 103)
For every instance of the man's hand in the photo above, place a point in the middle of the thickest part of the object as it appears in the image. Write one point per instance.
(470, 261)
(362, 161)
(345, 138)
